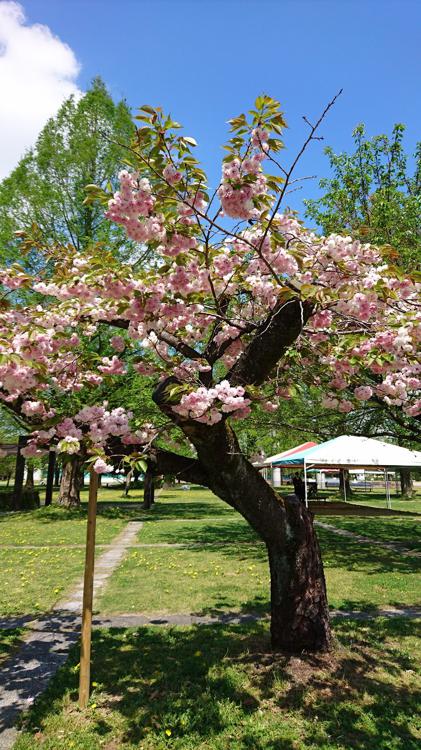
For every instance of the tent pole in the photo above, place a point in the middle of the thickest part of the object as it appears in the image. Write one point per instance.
(305, 483)
(344, 481)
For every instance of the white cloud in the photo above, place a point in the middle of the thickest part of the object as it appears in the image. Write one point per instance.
(37, 71)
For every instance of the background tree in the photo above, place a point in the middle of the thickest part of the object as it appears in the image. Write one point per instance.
(76, 147)
(373, 195)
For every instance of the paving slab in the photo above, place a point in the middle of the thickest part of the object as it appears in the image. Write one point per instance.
(26, 674)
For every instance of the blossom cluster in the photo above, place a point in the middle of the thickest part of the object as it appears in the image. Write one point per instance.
(91, 429)
(132, 207)
(208, 405)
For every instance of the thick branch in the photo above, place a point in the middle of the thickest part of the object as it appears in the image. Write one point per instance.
(183, 467)
(270, 342)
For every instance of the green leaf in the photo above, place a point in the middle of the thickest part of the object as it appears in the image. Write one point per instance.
(190, 140)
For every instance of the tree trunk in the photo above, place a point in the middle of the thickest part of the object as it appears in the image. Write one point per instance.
(300, 613)
(29, 483)
(19, 473)
(70, 484)
(129, 474)
(407, 485)
(52, 457)
(148, 490)
(299, 609)
(57, 475)
(344, 484)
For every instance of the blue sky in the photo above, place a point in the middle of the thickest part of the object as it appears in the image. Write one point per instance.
(205, 61)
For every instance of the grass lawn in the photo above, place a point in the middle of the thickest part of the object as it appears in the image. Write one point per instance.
(378, 500)
(225, 570)
(57, 526)
(189, 580)
(220, 688)
(202, 531)
(231, 572)
(36, 579)
(398, 530)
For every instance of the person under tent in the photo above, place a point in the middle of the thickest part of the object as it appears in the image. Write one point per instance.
(299, 487)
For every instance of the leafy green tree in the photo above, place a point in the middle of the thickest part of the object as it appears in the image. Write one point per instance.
(82, 144)
(373, 196)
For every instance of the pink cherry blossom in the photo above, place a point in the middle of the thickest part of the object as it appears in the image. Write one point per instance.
(101, 467)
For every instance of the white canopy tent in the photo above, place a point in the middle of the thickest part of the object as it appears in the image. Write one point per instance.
(353, 452)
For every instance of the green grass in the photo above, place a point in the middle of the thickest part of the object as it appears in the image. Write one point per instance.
(400, 531)
(57, 526)
(9, 640)
(189, 580)
(206, 531)
(36, 579)
(378, 500)
(220, 687)
(233, 574)
(223, 566)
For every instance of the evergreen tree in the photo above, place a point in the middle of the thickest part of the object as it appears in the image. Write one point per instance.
(82, 144)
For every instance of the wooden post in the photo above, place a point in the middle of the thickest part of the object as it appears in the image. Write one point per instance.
(50, 477)
(88, 588)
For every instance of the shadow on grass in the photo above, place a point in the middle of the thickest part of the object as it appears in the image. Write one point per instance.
(238, 541)
(221, 687)
(340, 552)
(220, 533)
(405, 534)
(10, 639)
(128, 510)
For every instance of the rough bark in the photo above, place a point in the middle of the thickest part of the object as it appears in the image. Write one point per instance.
(57, 475)
(148, 490)
(71, 480)
(29, 483)
(19, 474)
(299, 609)
(52, 457)
(407, 485)
(300, 616)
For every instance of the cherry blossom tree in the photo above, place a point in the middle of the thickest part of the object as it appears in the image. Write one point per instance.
(234, 303)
